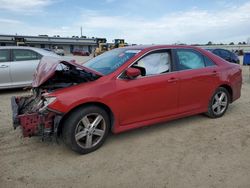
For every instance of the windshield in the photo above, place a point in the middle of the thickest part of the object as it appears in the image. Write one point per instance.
(110, 61)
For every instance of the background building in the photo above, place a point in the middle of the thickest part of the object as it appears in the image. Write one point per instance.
(44, 41)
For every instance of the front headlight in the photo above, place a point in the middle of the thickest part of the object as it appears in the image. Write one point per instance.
(47, 102)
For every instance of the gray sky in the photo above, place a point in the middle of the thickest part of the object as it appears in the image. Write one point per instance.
(141, 22)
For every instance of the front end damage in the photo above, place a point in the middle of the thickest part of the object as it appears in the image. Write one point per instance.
(31, 112)
(33, 116)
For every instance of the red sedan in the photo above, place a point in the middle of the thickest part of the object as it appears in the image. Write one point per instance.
(80, 52)
(124, 89)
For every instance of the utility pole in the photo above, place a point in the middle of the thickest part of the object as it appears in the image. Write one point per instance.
(81, 31)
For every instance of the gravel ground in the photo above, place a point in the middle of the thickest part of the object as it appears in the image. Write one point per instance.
(190, 152)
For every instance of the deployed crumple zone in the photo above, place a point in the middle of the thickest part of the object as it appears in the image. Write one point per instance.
(31, 112)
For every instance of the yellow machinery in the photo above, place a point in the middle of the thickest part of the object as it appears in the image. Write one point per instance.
(20, 41)
(102, 46)
(118, 43)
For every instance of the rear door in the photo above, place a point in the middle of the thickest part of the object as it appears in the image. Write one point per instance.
(198, 79)
(5, 79)
(23, 66)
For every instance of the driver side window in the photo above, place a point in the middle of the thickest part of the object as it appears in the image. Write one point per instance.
(154, 64)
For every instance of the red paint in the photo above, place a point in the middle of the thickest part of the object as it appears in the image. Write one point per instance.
(32, 123)
(148, 100)
(80, 52)
(133, 72)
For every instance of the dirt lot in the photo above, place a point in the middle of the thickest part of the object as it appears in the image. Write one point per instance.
(190, 152)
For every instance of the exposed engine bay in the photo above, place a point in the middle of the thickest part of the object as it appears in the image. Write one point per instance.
(67, 75)
(31, 113)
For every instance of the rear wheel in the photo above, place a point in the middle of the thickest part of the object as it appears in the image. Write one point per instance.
(218, 103)
(86, 129)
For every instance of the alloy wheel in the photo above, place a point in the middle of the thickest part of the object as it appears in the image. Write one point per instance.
(90, 130)
(220, 103)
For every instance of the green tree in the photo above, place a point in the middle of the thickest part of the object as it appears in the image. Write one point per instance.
(209, 43)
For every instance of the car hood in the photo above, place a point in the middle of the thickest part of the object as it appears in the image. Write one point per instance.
(48, 65)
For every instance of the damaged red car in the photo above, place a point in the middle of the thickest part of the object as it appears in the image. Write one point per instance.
(123, 89)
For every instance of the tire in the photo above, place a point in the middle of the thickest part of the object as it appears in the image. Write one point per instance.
(86, 129)
(218, 104)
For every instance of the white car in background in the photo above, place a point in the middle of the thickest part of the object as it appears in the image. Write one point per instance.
(59, 51)
(18, 64)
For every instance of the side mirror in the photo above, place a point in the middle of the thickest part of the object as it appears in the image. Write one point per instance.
(132, 72)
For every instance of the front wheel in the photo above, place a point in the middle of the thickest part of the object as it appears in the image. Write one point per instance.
(86, 129)
(218, 103)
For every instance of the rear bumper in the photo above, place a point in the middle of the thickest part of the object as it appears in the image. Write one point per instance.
(34, 124)
(237, 85)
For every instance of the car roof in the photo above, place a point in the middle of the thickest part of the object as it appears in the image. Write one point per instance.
(38, 50)
(155, 47)
(18, 47)
(212, 49)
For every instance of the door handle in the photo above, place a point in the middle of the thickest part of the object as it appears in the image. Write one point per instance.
(171, 80)
(214, 73)
(4, 66)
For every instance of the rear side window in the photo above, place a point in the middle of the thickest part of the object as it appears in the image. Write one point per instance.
(189, 59)
(25, 55)
(208, 62)
(4, 56)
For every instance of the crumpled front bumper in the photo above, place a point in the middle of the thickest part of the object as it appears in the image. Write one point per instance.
(34, 124)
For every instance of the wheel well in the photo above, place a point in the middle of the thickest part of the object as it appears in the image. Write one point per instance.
(230, 91)
(101, 105)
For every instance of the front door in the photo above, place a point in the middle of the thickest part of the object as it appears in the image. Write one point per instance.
(5, 79)
(152, 95)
